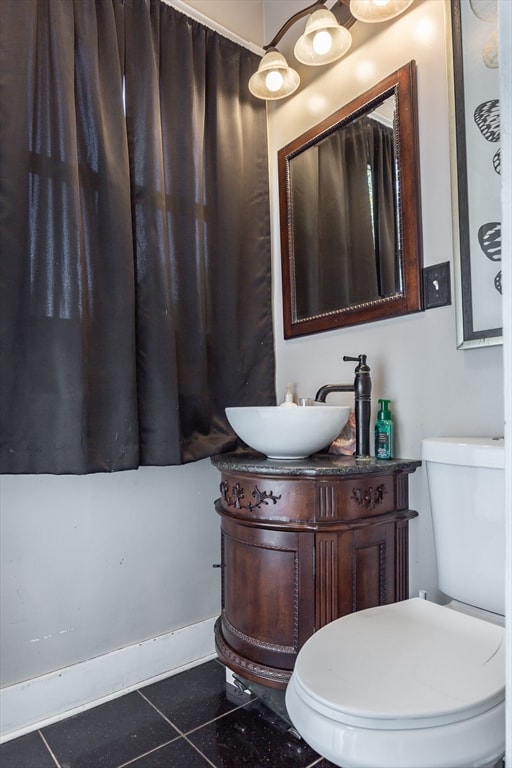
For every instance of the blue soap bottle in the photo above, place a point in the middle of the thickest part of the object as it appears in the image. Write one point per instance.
(384, 429)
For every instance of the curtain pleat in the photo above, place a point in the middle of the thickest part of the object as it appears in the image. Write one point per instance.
(199, 177)
(135, 274)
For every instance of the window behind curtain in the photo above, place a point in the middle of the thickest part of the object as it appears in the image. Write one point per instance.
(135, 275)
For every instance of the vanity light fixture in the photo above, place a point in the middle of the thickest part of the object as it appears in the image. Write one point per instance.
(324, 40)
(375, 11)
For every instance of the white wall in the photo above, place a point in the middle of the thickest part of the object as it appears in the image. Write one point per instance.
(435, 388)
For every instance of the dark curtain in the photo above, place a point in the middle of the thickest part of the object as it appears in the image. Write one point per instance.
(135, 264)
(345, 242)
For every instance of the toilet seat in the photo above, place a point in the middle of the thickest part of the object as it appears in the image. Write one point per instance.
(441, 698)
(435, 667)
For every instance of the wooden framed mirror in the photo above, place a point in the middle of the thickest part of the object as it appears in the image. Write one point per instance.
(350, 213)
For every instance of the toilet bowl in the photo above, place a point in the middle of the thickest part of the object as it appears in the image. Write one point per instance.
(407, 685)
(416, 684)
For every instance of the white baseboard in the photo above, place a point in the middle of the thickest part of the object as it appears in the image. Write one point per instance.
(38, 702)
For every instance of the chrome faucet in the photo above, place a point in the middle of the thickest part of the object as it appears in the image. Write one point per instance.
(362, 387)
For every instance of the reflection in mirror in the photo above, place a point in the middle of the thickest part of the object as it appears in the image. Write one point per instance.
(345, 205)
(349, 200)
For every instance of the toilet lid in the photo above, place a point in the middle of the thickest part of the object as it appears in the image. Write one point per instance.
(411, 664)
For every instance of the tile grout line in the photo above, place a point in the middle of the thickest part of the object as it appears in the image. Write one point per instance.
(184, 734)
(180, 732)
(199, 751)
(49, 749)
(161, 746)
(219, 717)
(197, 727)
(149, 752)
(180, 735)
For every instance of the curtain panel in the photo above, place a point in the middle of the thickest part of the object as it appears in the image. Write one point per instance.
(135, 256)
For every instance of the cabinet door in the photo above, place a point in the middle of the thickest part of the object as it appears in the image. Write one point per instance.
(355, 569)
(267, 592)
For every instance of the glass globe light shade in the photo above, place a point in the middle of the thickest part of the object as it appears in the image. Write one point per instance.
(274, 79)
(375, 11)
(323, 41)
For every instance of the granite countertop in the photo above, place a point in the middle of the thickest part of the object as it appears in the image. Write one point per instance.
(318, 464)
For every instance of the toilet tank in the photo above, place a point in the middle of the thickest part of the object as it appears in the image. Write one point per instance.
(466, 482)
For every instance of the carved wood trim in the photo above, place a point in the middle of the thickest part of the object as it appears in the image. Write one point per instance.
(402, 560)
(238, 493)
(370, 497)
(402, 491)
(326, 580)
(255, 641)
(327, 507)
(381, 547)
(275, 678)
(223, 562)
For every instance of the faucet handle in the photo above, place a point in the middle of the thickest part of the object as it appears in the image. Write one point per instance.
(361, 359)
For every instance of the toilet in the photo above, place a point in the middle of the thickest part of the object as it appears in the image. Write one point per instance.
(415, 684)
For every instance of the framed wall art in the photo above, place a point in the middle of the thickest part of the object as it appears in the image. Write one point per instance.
(476, 167)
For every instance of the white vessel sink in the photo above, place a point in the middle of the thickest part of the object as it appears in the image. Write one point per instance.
(288, 432)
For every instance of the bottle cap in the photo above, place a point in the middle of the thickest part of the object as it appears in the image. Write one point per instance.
(384, 412)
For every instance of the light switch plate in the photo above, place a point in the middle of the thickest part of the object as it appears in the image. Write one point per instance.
(436, 285)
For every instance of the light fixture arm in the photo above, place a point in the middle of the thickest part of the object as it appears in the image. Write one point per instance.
(326, 39)
(299, 15)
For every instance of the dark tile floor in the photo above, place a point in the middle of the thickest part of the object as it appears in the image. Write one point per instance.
(185, 721)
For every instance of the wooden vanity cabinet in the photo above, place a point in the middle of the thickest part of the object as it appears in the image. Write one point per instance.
(304, 543)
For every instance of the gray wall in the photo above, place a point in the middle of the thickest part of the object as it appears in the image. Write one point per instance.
(96, 563)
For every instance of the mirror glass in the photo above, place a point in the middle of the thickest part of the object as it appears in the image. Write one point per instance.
(350, 213)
